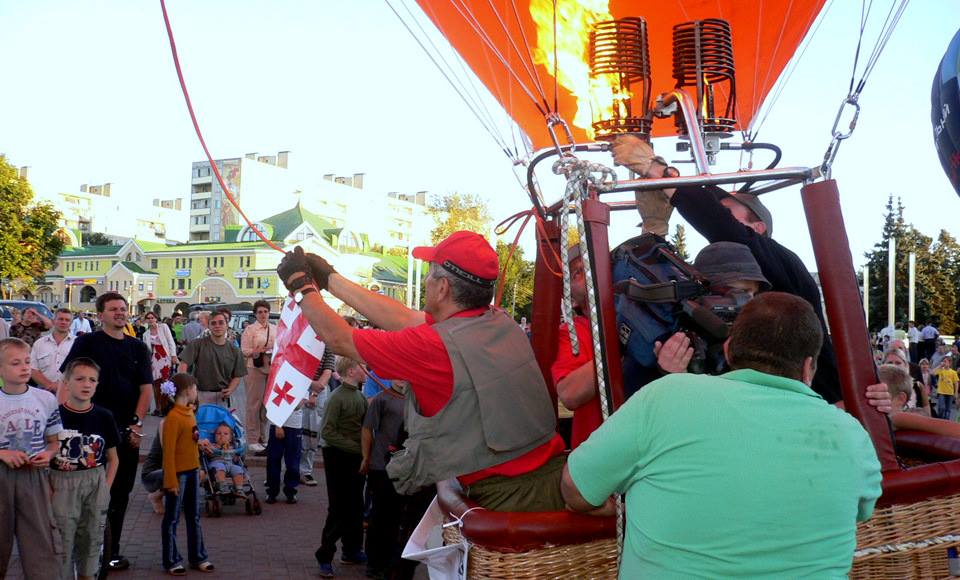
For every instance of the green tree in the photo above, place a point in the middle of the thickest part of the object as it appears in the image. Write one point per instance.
(40, 237)
(97, 239)
(936, 272)
(517, 298)
(679, 241)
(459, 211)
(28, 246)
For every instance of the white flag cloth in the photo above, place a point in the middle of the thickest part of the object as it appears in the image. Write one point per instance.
(297, 351)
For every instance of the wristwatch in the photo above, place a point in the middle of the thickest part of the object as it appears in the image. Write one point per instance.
(298, 297)
(300, 282)
(137, 421)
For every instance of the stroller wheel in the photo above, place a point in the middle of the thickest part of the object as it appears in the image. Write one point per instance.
(257, 510)
(215, 510)
(249, 506)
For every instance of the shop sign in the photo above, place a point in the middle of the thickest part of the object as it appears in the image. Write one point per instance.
(184, 273)
(83, 281)
(179, 292)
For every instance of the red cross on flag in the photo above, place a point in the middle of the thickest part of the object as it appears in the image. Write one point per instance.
(297, 351)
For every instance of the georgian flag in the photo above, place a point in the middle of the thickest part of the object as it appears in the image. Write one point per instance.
(297, 351)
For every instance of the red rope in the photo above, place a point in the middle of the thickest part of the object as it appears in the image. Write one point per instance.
(505, 226)
(513, 247)
(196, 126)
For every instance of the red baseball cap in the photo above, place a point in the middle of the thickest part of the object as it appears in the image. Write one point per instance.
(465, 254)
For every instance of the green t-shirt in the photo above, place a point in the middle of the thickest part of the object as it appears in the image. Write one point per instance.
(214, 365)
(745, 475)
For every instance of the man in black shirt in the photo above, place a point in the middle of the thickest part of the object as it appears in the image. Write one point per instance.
(737, 217)
(124, 389)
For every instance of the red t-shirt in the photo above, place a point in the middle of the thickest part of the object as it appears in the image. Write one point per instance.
(587, 417)
(417, 354)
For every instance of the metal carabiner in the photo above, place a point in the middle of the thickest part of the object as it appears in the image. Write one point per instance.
(554, 119)
(850, 100)
(826, 168)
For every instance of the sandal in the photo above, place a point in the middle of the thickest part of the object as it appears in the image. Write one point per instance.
(177, 570)
(206, 566)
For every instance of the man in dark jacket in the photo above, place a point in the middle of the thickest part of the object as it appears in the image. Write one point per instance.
(738, 217)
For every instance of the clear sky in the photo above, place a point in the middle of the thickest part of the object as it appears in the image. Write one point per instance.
(90, 95)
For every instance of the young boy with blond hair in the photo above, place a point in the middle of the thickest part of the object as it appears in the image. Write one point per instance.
(342, 456)
(83, 470)
(30, 422)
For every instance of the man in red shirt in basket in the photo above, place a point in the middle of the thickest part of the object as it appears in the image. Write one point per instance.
(478, 408)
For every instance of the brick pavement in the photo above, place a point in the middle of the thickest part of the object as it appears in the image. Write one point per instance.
(277, 544)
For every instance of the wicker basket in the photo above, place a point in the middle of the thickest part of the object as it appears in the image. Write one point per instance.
(591, 560)
(897, 524)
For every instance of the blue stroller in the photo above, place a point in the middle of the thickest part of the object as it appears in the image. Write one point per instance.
(219, 494)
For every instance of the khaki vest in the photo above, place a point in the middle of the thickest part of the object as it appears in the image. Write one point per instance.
(499, 410)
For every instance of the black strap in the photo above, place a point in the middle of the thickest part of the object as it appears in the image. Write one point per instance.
(661, 293)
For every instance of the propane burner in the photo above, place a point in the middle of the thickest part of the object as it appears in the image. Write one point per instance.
(620, 62)
(703, 58)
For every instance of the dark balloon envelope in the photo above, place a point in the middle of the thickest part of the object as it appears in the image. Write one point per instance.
(945, 113)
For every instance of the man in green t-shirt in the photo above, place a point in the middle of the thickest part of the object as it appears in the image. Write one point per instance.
(747, 474)
(217, 363)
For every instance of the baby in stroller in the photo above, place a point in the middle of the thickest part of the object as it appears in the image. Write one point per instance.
(224, 476)
(225, 460)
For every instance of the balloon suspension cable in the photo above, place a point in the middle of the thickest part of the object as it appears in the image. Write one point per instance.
(462, 86)
(501, 229)
(203, 143)
(583, 177)
(852, 100)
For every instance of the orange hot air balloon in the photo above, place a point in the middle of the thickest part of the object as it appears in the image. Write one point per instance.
(509, 45)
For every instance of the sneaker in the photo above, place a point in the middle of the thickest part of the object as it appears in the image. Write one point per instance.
(118, 563)
(291, 499)
(354, 558)
(272, 499)
(326, 570)
(256, 447)
(308, 480)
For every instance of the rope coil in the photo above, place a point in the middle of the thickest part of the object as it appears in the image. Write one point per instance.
(582, 178)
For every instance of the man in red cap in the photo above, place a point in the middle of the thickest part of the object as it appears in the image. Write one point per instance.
(478, 408)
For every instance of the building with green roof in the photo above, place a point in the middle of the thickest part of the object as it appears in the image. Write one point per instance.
(168, 277)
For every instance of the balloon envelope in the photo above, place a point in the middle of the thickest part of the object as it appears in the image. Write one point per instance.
(945, 112)
(494, 36)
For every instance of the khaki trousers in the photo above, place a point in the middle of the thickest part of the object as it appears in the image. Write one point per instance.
(535, 491)
(26, 516)
(256, 415)
(80, 501)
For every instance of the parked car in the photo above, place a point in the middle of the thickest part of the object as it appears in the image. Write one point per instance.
(21, 305)
(240, 316)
